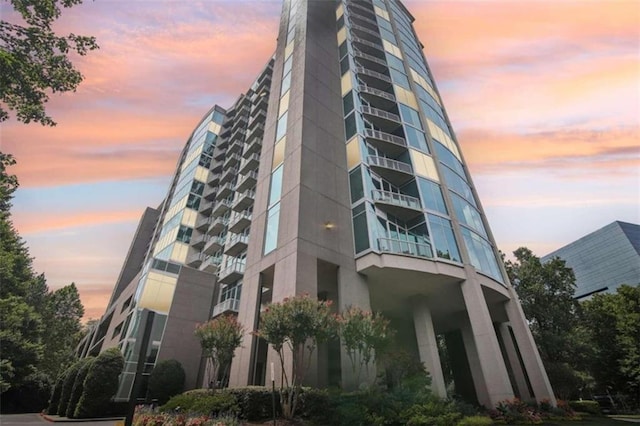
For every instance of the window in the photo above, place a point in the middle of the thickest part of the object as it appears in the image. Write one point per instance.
(481, 254)
(410, 116)
(347, 103)
(184, 234)
(416, 138)
(276, 185)
(356, 186)
(281, 128)
(448, 158)
(360, 231)
(271, 233)
(399, 78)
(443, 238)
(432, 198)
(467, 214)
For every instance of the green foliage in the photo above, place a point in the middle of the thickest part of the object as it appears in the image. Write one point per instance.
(100, 385)
(586, 406)
(296, 325)
(78, 387)
(362, 334)
(54, 401)
(166, 380)
(202, 402)
(31, 396)
(475, 421)
(67, 386)
(613, 321)
(34, 60)
(33, 321)
(219, 338)
(254, 402)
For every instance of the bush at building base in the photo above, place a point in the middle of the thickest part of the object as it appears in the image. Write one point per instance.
(78, 387)
(30, 396)
(166, 380)
(67, 386)
(100, 385)
(54, 400)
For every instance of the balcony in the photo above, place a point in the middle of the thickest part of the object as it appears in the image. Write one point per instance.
(376, 97)
(404, 247)
(195, 259)
(205, 207)
(390, 144)
(373, 62)
(214, 178)
(243, 200)
(403, 206)
(226, 307)
(209, 192)
(249, 164)
(221, 207)
(228, 175)
(247, 181)
(236, 244)
(232, 272)
(394, 171)
(373, 78)
(225, 190)
(211, 263)
(239, 221)
(257, 131)
(364, 32)
(216, 166)
(359, 10)
(217, 225)
(259, 117)
(202, 223)
(235, 147)
(373, 49)
(220, 150)
(214, 244)
(384, 120)
(232, 160)
(199, 242)
(261, 103)
(253, 145)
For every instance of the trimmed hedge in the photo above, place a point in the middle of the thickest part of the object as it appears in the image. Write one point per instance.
(166, 380)
(78, 387)
(202, 402)
(67, 386)
(100, 385)
(586, 406)
(475, 421)
(54, 400)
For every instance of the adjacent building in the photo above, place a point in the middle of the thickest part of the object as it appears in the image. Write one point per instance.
(603, 260)
(338, 175)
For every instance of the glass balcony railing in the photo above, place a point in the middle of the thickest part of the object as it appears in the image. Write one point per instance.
(410, 248)
(399, 200)
(229, 305)
(389, 163)
(231, 272)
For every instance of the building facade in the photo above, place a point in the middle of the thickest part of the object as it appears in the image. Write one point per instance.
(337, 175)
(604, 259)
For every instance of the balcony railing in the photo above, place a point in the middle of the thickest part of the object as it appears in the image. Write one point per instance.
(229, 305)
(367, 43)
(404, 247)
(239, 221)
(377, 92)
(247, 181)
(385, 137)
(381, 113)
(236, 244)
(363, 55)
(221, 207)
(230, 273)
(218, 224)
(388, 163)
(211, 263)
(400, 200)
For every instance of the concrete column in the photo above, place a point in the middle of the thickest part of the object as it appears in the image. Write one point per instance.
(475, 367)
(428, 346)
(529, 351)
(490, 363)
(514, 362)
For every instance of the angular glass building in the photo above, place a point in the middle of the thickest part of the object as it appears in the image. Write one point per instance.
(338, 175)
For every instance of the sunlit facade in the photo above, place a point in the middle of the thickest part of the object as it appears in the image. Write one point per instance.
(337, 175)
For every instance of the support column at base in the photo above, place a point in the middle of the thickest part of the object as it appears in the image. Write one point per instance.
(490, 362)
(529, 351)
(428, 346)
(514, 362)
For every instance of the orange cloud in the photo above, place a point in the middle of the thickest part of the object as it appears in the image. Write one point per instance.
(36, 222)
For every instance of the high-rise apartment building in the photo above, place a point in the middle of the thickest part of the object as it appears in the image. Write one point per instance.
(337, 175)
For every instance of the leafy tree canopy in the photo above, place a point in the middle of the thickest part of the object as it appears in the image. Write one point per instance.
(34, 60)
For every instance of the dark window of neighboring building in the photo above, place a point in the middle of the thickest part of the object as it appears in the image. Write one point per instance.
(350, 126)
(356, 186)
(347, 102)
(360, 231)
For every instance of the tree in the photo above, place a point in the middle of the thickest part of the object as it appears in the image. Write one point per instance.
(100, 385)
(296, 325)
(546, 293)
(166, 380)
(362, 334)
(219, 338)
(613, 324)
(62, 327)
(34, 60)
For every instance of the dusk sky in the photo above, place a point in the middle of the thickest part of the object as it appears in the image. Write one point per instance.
(544, 97)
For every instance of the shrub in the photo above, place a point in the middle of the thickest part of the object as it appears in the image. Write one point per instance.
(315, 404)
(78, 386)
(54, 400)
(475, 421)
(434, 412)
(100, 385)
(31, 395)
(586, 406)
(166, 380)
(515, 411)
(255, 402)
(201, 402)
(67, 386)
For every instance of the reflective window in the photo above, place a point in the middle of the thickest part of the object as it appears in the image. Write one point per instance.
(447, 157)
(456, 183)
(287, 66)
(281, 129)
(443, 238)
(481, 254)
(276, 185)
(467, 214)
(356, 186)
(184, 234)
(360, 231)
(350, 126)
(410, 115)
(271, 234)
(347, 103)
(395, 62)
(399, 78)
(416, 138)
(286, 83)
(432, 196)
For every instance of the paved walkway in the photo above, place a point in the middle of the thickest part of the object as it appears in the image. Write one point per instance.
(36, 419)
